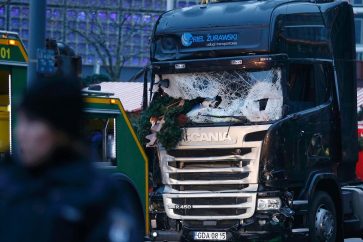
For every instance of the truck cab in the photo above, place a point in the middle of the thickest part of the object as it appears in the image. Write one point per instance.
(114, 147)
(270, 141)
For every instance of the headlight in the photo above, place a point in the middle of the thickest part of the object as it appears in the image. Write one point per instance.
(268, 204)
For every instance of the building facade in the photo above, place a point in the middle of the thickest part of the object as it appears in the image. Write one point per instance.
(66, 18)
(63, 16)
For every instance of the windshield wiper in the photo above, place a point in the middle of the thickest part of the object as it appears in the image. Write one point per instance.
(240, 118)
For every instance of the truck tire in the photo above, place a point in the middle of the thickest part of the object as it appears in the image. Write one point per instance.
(322, 219)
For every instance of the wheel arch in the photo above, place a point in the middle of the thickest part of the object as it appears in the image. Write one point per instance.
(327, 182)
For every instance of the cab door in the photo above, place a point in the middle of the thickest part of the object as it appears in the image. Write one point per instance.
(311, 125)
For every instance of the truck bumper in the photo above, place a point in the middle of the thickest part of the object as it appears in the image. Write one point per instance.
(271, 225)
(188, 234)
(261, 227)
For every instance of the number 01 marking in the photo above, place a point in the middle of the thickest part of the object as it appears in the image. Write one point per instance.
(5, 53)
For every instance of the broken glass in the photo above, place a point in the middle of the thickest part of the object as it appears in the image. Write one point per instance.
(255, 95)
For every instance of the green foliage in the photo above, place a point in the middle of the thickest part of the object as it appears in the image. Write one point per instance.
(157, 108)
(171, 132)
(170, 135)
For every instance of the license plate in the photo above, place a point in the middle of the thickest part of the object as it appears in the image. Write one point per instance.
(210, 236)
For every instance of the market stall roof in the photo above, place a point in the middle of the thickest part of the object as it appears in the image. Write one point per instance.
(129, 93)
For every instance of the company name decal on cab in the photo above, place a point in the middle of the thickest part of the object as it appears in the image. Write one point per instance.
(209, 40)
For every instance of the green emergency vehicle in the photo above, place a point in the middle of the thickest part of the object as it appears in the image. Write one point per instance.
(13, 71)
(117, 147)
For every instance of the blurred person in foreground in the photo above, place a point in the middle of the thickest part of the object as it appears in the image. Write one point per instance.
(51, 192)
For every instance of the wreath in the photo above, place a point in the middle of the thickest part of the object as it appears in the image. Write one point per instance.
(163, 121)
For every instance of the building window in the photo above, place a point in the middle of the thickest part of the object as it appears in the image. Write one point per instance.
(2, 18)
(357, 2)
(186, 3)
(358, 30)
(88, 15)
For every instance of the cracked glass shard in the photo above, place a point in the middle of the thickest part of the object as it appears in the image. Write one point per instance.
(256, 95)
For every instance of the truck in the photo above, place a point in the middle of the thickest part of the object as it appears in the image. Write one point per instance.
(263, 142)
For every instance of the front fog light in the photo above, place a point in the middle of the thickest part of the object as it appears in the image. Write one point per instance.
(268, 204)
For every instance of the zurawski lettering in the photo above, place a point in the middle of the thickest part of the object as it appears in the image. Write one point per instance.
(221, 37)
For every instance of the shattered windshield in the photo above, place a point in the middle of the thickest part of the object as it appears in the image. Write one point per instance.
(229, 96)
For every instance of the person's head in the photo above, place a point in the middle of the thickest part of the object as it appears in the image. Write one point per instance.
(49, 117)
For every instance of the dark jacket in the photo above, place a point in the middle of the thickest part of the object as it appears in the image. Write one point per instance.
(66, 200)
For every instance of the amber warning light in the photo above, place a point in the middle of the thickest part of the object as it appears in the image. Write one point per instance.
(12, 42)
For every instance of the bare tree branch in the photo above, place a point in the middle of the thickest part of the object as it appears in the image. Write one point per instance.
(93, 43)
(110, 51)
(102, 43)
(120, 60)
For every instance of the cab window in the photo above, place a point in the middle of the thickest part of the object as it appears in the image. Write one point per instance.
(307, 85)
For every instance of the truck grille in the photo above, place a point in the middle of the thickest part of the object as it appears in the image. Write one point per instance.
(211, 206)
(217, 176)
(210, 201)
(212, 181)
(211, 212)
(209, 188)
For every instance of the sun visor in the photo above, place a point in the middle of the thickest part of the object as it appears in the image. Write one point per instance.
(217, 43)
